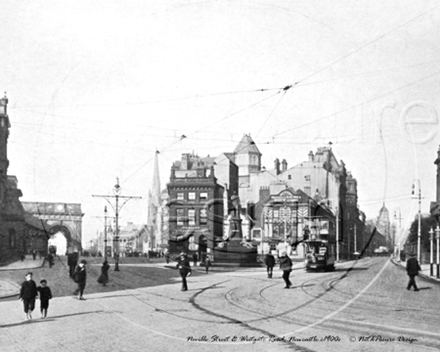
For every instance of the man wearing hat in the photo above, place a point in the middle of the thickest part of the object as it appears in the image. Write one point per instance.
(80, 277)
(184, 269)
(412, 269)
(286, 267)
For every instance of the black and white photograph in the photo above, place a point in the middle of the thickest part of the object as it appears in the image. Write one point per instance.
(218, 175)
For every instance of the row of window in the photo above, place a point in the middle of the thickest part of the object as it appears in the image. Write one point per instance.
(192, 196)
(191, 217)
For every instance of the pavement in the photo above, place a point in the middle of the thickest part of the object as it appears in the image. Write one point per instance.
(10, 289)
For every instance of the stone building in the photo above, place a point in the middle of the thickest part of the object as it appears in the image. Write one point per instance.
(19, 231)
(199, 193)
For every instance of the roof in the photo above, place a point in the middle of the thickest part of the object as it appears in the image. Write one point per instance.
(246, 145)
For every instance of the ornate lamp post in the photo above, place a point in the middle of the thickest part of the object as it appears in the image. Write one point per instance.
(419, 229)
(116, 195)
(431, 259)
(105, 233)
(437, 237)
(117, 191)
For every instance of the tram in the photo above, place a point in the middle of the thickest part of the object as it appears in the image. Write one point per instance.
(320, 255)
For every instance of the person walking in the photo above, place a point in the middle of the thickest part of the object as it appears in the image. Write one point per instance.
(45, 296)
(28, 293)
(184, 269)
(412, 269)
(207, 263)
(286, 267)
(269, 260)
(72, 262)
(195, 258)
(34, 254)
(103, 278)
(50, 259)
(80, 277)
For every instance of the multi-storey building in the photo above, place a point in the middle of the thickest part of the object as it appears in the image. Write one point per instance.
(199, 191)
(19, 231)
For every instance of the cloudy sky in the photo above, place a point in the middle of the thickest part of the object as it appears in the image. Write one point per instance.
(96, 87)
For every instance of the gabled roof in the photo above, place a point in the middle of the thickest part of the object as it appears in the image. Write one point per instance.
(246, 145)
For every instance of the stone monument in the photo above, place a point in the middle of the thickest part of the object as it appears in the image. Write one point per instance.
(235, 250)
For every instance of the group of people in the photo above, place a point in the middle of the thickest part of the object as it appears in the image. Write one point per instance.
(29, 291)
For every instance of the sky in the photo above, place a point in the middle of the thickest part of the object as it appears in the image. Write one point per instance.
(96, 87)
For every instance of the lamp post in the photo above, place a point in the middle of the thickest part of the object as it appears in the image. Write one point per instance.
(431, 259)
(116, 195)
(105, 233)
(437, 237)
(117, 191)
(419, 230)
(337, 234)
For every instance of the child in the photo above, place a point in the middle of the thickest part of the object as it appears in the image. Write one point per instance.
(45, 296)
(28, 292)
(80, 277)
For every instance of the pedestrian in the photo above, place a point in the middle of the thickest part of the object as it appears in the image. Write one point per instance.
(72, 262)
(45, 296)
(207, 263)
(195, 258)
(184, 269)
(34, 254)
(50, 259)
(412, 269)
(269, 260)
(167, 257)
(28, 293)
(103, 278)
(80, 277)
(22, 256)
(286, 267)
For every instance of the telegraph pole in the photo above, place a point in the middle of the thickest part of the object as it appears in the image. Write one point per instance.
(116, 208)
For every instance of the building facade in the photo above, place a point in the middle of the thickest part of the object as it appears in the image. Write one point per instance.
(199, 195)
(19, 231)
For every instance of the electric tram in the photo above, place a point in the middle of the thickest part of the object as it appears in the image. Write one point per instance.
(320, 255)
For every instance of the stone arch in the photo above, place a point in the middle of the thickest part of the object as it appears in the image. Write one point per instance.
(71, 241)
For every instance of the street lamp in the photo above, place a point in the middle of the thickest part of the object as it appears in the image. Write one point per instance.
(420, 216)
(117, 191)
(437, 237)
(116, 195)
(105, 233)
(431, 259)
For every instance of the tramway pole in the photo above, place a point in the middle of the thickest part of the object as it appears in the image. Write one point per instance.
(337, 234)
(117, 208)
(419, 229)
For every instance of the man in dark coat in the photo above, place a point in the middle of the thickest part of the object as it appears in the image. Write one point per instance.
(72, 262)
(28, 293)
(184, 269)
(412, 269)
(286, 267)
(80, 277)
(269, 260)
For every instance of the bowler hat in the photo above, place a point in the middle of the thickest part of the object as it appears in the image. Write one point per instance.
(83, 262)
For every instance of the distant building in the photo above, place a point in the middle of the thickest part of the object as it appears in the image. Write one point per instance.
(383, 225)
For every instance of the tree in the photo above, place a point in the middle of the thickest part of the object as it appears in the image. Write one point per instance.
(427, 223)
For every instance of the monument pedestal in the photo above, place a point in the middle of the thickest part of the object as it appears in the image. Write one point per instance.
(235, 253)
